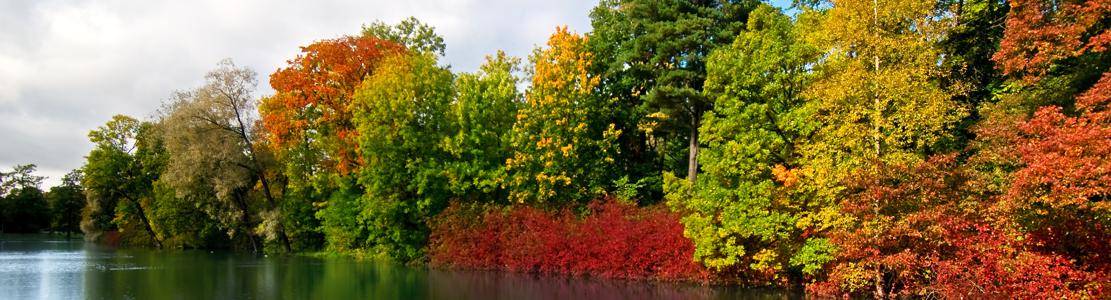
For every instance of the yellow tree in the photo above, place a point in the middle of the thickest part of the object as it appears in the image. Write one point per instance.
(877, 93)
(879, 101)
(560, 148)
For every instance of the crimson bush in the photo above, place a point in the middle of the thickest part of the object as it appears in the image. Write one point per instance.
(612, 240)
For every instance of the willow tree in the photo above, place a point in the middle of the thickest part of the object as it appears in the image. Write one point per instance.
(214, 159)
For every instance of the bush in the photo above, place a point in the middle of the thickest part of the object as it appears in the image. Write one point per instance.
(613, 240)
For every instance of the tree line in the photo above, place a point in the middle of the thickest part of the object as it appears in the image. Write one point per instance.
(26, 208)
(882, 148)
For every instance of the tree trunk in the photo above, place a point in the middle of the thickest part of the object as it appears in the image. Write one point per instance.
(692, 162)
(245, 222)
(146, 223)
(259, 170)
(876, 105)
(270, 200)
(880, 292)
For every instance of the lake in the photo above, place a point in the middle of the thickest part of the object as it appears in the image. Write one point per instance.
(42, 267)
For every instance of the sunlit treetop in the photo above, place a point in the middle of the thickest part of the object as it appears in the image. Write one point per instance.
(313, 95)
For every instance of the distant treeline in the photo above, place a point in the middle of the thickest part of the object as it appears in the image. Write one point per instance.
(25, 208)
(927, 148)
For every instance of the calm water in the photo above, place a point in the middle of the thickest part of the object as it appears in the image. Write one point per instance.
(37, 267)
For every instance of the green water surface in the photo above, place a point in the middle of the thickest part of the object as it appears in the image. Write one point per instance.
(42, 267)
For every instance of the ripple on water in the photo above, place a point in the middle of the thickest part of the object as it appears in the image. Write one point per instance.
(42, 262)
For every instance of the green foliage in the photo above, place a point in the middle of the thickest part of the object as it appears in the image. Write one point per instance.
(66, 202)
(339, 217)
(180, 224)
(25, 210)
(483, 114)
(400, 113)
(747, 206)
(118, 180)
(410, 32)
(651, 58)
(23, 207)
(814, 255)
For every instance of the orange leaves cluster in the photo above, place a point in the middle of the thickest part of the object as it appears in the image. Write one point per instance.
(315, 90)
(567, 66)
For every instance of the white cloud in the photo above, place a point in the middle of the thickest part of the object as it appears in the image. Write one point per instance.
(67, 66)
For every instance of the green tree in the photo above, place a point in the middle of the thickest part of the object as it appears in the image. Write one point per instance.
(749, 209)
(652, 63)
(66, 202)
(117, 189)
(23, 206)
(483, 114)
(401, 114)
(562, 150)
(411, 33)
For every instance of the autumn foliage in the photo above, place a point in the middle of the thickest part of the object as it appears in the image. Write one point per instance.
(920, 231)
(613, 240)
(313, 94)
(886, 149)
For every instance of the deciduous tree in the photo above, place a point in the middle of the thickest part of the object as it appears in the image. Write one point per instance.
(117, 188)
(401, 112)
(483, 114)
(561, 151)
(213, 156)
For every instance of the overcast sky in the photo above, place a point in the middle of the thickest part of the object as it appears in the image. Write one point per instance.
(67, 66)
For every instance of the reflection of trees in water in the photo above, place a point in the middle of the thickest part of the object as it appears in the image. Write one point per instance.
(207, 275)
(444, 284)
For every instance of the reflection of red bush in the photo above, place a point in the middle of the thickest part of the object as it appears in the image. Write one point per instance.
(613, 240)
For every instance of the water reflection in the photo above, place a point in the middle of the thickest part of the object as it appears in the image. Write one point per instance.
(37, 268)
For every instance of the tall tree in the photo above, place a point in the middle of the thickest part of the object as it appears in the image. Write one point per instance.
(483, 114)
(561, 150)
(652, 54)
(308, 124)
(746, 212)
(401, 112)
(210, 138)
(1057, 193)
(116, 186)
(878, 92)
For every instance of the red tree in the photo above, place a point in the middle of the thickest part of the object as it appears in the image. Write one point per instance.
(311, 106)
(920, 231)
(1059, 194)
(1042, 32)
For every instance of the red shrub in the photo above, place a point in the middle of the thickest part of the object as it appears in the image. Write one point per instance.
(613, 240)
